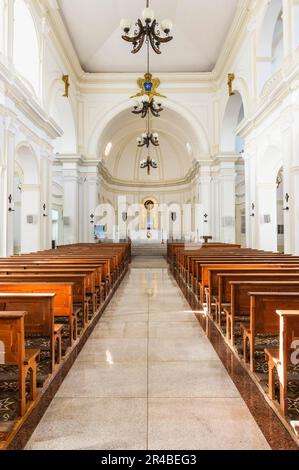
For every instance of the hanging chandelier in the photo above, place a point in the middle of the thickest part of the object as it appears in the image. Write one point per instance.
(148, 163)
(147, 30)
(145, 106)
(148, 138)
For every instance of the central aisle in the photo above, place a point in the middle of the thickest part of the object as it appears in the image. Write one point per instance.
(148, 378)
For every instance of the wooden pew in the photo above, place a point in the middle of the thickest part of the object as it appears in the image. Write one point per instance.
(263, 318)
(219, 282)
(79, 281)
(63, 300)
(233, 265)
(39, 321)
(12, 337)
(240, 300)
(280, 359)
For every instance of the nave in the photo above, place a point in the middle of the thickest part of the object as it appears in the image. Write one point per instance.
(148, 378)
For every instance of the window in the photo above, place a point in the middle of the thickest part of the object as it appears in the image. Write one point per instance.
(108, 149)
(26, 50)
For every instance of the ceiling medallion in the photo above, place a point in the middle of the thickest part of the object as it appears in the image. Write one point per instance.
(146, 30)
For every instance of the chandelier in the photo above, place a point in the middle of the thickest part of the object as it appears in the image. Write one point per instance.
(147, 138)
(147, 30)
(145, 106)
(148, 163)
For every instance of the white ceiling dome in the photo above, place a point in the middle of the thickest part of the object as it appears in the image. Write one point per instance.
(175, 156)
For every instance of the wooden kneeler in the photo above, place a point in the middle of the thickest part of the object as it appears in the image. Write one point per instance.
(12, 336)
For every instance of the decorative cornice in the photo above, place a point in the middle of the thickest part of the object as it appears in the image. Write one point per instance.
(25, 102)
(108, 178)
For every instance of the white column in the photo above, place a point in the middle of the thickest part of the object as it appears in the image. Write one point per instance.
(91, 188)
(248, 203)
(30, 218)
(295, 211)
(289, 216)
(46, 215)
(7, 180)
(267, 239)
(70, 202)
(205, 193)
(227, 201)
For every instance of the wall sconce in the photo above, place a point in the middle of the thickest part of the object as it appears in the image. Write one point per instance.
(92, 218)
(173, 216)
(66, 81)
(44, 210)
(125, 216)
(10, 209)
(231, 77)
(253, 209)
(206, 218)
(287, 198)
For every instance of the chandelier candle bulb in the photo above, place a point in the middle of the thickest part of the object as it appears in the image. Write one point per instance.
(167, 26)
(126, 25)
(148, 15)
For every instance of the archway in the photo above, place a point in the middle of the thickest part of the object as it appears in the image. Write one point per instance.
(177, 157)
(279, 211)
(29, 198)
(233, 143)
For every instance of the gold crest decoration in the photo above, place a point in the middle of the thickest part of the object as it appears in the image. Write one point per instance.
(148, 86)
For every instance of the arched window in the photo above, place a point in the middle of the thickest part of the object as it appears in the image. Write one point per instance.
(26, 49)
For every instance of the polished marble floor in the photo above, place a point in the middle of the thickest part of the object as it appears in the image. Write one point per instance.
(148, 378)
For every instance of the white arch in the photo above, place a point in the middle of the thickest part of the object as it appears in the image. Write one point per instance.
(27, 162)
(230, 123)
(104, 121)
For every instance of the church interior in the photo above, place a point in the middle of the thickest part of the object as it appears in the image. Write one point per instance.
(149, 225)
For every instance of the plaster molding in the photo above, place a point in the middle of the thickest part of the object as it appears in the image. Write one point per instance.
(108, 178)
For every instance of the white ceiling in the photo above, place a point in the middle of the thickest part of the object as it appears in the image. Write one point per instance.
(200, 29)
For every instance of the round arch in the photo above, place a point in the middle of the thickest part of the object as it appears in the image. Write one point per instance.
(233, 114)
(103, 122)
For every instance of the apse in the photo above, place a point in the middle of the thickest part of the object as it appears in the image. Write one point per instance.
(176, 154)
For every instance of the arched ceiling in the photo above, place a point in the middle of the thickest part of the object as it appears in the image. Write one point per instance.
(175, 156)
(199, 33)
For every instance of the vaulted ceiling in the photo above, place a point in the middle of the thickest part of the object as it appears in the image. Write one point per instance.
(200, 30)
